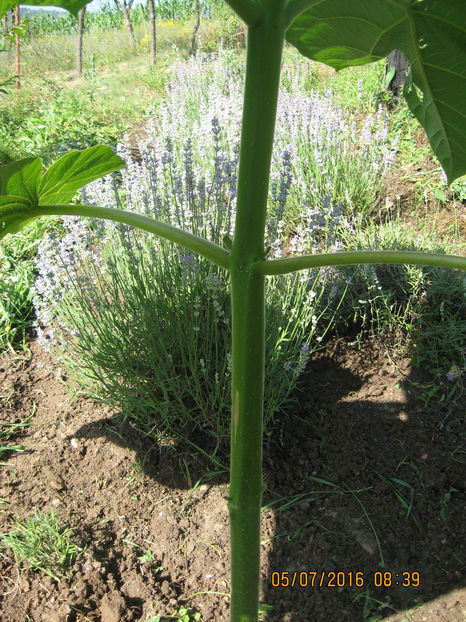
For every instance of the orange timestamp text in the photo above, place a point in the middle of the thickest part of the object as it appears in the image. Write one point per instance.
(334, 579)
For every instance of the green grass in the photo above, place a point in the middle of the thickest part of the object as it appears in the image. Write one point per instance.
(37, 121)
(404, 494)
(17, 275)
(181, 615)
(9, 432)
(420, 307)
(105, 50)
(117, 91)
(40, 543)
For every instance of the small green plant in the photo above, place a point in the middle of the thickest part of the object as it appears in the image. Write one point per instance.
(41, 544)
(17, 275)
(182, 615)
(372, 607)
(446, 500)
(404, 494)
(265, 611)
(9, 431)
(432, 38)
(147, 558)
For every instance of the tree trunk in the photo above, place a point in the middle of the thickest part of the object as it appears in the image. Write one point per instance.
(17, 63)
(125, 8)
(79, 52)
(397, 61)
(192, 47)
(6, 41)
(153, 40)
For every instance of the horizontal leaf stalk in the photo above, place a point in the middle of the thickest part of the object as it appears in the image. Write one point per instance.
(192, 242)
(292, 264)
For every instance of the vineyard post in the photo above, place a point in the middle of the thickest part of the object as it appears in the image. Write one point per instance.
(153, 33)
(79, 51)
(17, 61)
(125, 7)
(192, 47)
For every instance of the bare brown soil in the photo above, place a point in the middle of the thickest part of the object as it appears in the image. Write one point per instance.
(357, 421)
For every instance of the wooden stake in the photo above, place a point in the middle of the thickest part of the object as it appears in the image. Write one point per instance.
(17, 64)
(79, 49)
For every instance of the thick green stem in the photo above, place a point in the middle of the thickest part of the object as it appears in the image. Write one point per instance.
(265, 43)
(246, 443)
(248, 10)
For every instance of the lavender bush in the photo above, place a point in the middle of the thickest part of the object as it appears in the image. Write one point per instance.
(187, 176)
(168, 366)
(323, 153)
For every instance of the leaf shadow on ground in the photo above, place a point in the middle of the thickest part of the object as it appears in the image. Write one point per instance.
(363, 478)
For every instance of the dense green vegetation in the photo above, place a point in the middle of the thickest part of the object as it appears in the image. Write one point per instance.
(146, 326)
(119, 93)
(44, 25)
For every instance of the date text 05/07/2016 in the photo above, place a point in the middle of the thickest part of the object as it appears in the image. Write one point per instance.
(335, 579)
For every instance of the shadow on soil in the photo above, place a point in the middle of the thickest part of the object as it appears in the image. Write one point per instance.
(365, 488)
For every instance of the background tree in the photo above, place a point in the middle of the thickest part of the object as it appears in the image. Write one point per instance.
(17, 61)
(6, 18)
(192, 47)
(125, 7)
(79, 51)
(153, 40)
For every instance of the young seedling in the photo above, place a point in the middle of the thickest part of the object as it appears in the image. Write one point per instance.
(8, 432)
(341, 33)
(182, 615)
(41, 544)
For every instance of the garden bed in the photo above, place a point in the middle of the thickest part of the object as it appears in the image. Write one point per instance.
(362, 471)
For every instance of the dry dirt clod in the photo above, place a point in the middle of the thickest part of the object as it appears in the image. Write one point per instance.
(112, 608)
(53, 480)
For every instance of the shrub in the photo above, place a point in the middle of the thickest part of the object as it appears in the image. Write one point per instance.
(146, 325)
(426, 304)
(42, 545)
(187, 176)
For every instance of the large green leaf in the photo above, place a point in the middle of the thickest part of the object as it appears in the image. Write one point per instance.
(14, 213)
(431, 33)
(73, 171)
(73, 6)
(21, 178)
(23, 187)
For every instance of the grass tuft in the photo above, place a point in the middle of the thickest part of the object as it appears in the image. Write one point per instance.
(41, 544)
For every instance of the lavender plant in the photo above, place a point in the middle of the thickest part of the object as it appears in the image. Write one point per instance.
(170, 372)
(321, 155)
(342, 33)
(397, 301)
